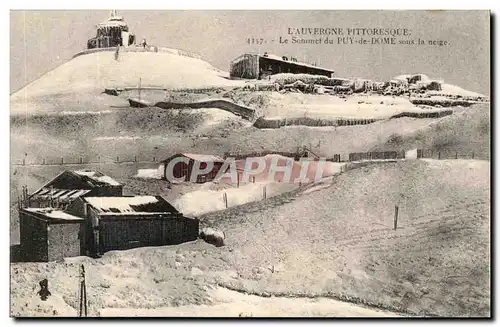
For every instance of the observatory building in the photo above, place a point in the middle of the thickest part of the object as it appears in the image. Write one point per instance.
(112, 33)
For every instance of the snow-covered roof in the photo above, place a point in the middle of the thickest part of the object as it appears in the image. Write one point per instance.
(51, 213)
(90, 178)
(278, 58)
(114, 21)
(203, 157)
(61, 195)
(97, 176)
(405, 77)
(130, 204)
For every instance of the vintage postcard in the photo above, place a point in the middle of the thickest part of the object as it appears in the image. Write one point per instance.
(250, 163)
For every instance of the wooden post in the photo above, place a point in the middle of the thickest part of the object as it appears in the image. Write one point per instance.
(396, 212)
(472, 154)
(62, 161)
(140, 82)
(135, 158)
(81, 160)
(43, 161)
(264, 192)
(238, 180)
(439, 155)
(82, 312)
(21, 202)
(456, 155)
(253, 179)
(24, 197)
(154, 159)
(224, 197)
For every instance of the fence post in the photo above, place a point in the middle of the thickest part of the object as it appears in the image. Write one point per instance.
(82, 312)
(396, 212)
(224, 197)
(253, 179)
(43, 161)
(135, 158)
(62, 161)
(472, 154)
(456, 155)
(238, 180)
(439, 155)
(264, 192)
(81, 160)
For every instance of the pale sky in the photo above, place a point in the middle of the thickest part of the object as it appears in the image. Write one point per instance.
(42, 40)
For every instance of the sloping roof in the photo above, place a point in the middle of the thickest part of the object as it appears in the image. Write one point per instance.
(298, 63)
(198, 157)
(52, 214)
(60, 195)
(113, 21)
(203, 157)
(130, 204)
(278, 58)
(98, 177)
(85, 179)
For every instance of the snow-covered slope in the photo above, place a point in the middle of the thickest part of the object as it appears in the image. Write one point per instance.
(83, 78)
(100, 70)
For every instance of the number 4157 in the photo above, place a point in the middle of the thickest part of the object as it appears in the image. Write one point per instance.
(255, 41)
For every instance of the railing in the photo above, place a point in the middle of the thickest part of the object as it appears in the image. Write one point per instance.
(353, 156)
(444, 154)
(132, 48)
(83, 161)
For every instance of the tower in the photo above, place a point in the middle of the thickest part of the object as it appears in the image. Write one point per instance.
(112, 33)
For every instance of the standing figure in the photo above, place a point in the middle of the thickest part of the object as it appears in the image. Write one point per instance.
(44, 289)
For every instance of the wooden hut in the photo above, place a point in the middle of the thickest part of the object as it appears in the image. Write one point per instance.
(256, 66)
(119, 223)
(185, 163)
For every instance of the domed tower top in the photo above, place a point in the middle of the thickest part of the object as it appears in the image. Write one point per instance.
(112, 33)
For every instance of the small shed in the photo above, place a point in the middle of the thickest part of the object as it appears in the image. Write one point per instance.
(48, 234)
(69, 185)
(119, 223)
(183, 168)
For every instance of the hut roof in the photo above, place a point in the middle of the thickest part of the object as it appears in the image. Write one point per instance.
(60, 195)
(203, 157)
(78, 180)
(97, 177)
(52, 214)
(130, 204)
(198, 157)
